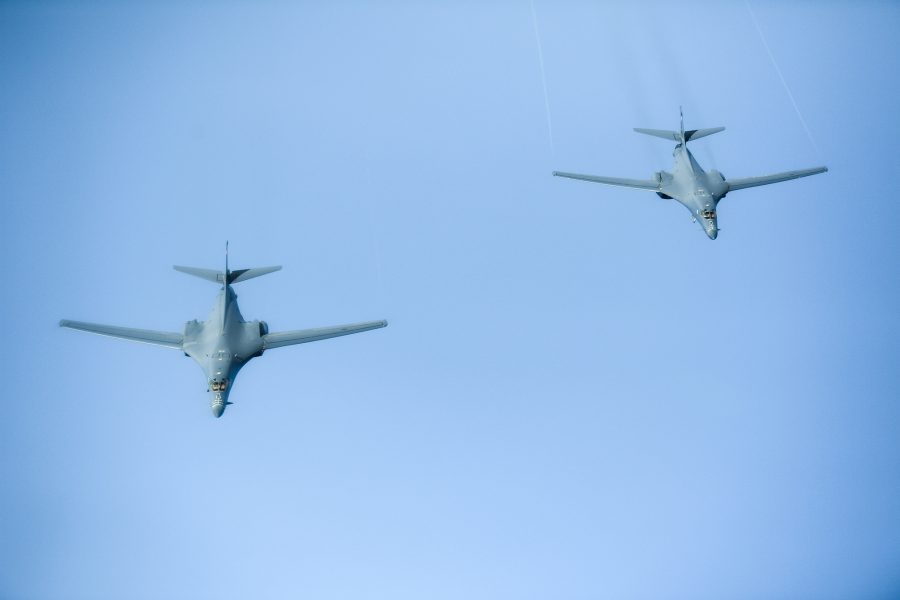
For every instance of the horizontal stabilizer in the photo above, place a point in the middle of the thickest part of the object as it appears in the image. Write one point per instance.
(145, 336)
(302, 336)
(208, 274)
(675, 136)
(739, 184)
(644, 184)
(661, 133)
(233, 276)
(245, 274)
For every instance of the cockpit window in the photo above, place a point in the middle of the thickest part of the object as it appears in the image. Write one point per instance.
(708, 214)
(218, 385)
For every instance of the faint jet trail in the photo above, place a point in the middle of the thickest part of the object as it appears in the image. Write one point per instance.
(537, 36)
(781, 77)
(376, 248)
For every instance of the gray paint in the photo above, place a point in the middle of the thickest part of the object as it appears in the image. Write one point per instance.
(225, 342)
(697, 190)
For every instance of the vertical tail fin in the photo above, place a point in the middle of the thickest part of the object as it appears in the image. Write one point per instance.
(681, 113)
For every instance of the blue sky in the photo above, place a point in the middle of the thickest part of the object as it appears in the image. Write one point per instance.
(579, 394)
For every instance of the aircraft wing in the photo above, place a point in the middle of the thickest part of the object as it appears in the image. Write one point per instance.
(644, 184)
(146, 336)
(739, 184)
(301, 336)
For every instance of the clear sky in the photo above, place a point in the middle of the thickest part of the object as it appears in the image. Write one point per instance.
(579, 394)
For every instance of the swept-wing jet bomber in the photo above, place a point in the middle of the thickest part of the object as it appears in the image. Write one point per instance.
(224, 343)
(697, 190)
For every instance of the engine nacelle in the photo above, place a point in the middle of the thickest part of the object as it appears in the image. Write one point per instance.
(717, 184)
(663, 179)
(262, 329)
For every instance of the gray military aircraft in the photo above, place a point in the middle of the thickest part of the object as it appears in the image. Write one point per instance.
(224, 343)
(697, 190)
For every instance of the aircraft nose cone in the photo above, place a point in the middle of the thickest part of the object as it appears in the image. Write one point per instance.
(712, 232)
(217, 405)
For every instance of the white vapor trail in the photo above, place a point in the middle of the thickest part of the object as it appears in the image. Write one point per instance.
(781, 77)
(537, 36)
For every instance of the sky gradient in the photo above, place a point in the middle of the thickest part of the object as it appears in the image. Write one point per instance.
(579, 395)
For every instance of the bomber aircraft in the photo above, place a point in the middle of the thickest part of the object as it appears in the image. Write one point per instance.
(697, 190)
(224, 343)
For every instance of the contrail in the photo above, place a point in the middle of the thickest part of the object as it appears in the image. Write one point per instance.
(781, 77)
(537, 36)
(376, 249)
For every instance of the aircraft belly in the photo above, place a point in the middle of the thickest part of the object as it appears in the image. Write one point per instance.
(678, 192)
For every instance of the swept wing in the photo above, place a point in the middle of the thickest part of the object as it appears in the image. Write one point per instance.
(146, 336)
(644, 184)
(739, 184)
(302, 336)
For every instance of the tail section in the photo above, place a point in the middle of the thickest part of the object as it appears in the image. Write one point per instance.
(228, 276)
(207, 274)
(245, 274)
(233, 276)
(680, 136)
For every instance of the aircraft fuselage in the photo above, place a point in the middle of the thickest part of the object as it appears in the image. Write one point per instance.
(695, 189)
(222, 345)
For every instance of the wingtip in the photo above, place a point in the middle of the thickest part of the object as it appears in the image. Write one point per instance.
(63, 322)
